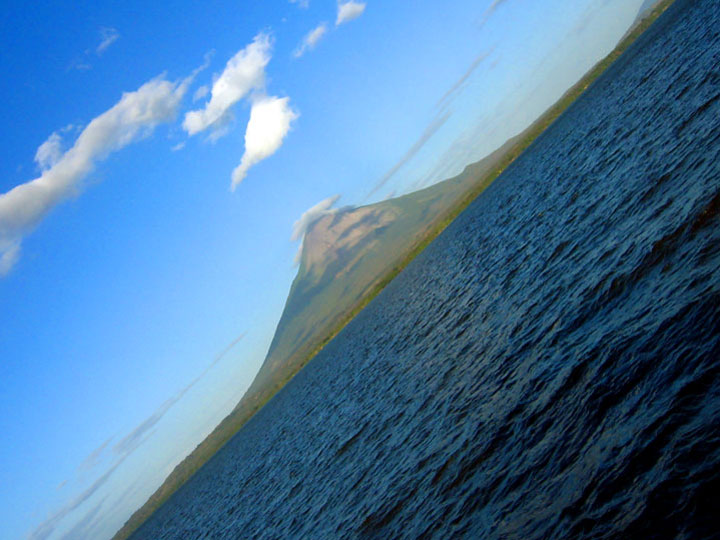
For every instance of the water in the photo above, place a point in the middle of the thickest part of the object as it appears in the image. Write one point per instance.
(547, 368)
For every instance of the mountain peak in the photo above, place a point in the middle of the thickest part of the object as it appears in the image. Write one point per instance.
(335, 235)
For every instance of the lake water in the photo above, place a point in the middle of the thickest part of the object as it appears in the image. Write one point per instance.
(547, 368)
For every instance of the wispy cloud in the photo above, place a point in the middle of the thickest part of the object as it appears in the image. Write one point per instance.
(429, 131)
(79, 65)
(9, 256)
(201, 92)
(310, 216)
(47, 527)
(221, 355)
(452, 91)
(347, 11)
(94, 457)
(304, 4)
(591, 14)
(83, 527)
(270, 120)
(310, 40)
(133, 117)
(49, 152)
(128, 444)
(243, 73)
(490, 10)
(108, 36)
(137, 436)
(123, 449)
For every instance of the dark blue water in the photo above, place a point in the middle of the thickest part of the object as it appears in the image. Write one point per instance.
(547, 368)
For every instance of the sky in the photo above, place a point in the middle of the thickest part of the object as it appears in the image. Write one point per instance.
(158, 168)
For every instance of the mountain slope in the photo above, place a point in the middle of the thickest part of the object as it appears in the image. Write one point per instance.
(345, 255)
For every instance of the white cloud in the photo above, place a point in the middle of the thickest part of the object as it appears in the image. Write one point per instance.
(133, 117)
(201, 92)
(310, 40)
(301, 3)
(244, 72)
(311, 215)
(347, 11)
(270, 119)
(108, 36)
(49, 152)
(10, 253)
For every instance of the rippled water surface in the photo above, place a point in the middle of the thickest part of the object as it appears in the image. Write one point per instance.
(547, 368)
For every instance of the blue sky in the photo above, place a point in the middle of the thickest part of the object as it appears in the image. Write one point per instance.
(153, 164)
